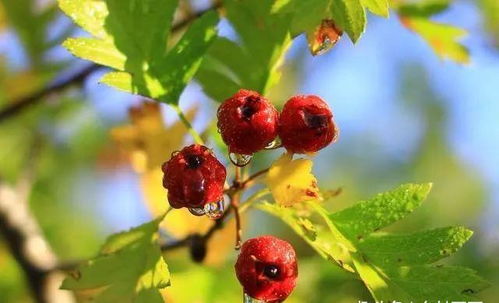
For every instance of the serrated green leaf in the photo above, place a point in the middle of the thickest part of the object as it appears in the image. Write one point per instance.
(442, 38)
(350, 16)
(380, 211)
(131, 36)
(417, 248)
(89, 15)
(392, 266)
(129, 268)
(378, 7)
(253, 61)
(99, 51)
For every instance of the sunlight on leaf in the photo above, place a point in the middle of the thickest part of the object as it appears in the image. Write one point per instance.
(132, 36)
(291, 181)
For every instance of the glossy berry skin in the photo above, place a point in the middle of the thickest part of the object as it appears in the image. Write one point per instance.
(306, 124)
(193, 177)
(247, 122)
(267, 268)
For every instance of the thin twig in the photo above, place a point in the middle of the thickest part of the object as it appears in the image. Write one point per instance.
(232, 192)
(17, 106)
(253, 177)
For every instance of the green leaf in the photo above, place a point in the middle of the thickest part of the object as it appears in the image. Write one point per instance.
(129, 268)
(392, 266)
(378, 7)
(131, 36)
(380, 211)
(253, 61)
(442, 38)
(318, 10)
(350, 16)
(417, 248)
(424, 8)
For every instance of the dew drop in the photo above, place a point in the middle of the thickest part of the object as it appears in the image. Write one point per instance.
(197, 211)
(240, 160)
(248, 299)
(215, 210)
(276, 143)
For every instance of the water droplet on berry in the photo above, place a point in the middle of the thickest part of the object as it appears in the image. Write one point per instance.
(276, 143)
(197, 211)
(239, 159)
(215, 210)
(248, 299)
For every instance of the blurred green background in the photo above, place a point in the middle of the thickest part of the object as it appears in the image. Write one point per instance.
(405, 116)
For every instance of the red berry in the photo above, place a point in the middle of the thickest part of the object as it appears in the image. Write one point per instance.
(193, 177)
(267, 268)
(247, 122)
(306, 124)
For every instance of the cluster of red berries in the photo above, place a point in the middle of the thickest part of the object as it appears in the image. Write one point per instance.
(248, 123)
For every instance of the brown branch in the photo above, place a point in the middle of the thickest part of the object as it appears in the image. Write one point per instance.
(17, 106)
(26, 242)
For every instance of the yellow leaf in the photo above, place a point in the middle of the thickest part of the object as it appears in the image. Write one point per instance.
(291, 181)
(148, 141)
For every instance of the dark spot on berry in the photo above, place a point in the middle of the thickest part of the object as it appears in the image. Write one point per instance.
(310, 193)
(315, 121)
(194, 161)
(271, 271)
(249, 108)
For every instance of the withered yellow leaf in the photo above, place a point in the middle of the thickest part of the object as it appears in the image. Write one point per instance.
(291, 181)
(148, 141)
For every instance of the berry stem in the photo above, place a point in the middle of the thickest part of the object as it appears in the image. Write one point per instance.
(234, 202)
(237, 215)
(234, 193)
(195, 135)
